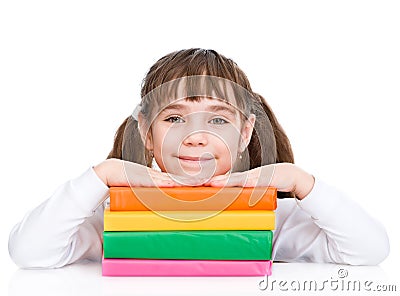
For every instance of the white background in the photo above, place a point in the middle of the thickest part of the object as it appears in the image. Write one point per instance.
(70, 72)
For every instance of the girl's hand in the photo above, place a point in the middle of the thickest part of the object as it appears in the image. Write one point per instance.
(116, 172)
(286, 177)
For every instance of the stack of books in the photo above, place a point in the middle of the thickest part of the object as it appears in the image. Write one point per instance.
(189, 231)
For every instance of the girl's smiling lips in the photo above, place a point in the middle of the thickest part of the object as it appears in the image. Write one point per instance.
(194, 158)
(195, 162)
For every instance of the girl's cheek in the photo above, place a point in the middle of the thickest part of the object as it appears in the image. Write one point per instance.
(171, 141)
(228, 142)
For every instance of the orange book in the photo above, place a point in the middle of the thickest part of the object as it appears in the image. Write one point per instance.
(200, 198)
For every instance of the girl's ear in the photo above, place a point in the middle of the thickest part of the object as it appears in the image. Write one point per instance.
(246, 132)
(145, 132)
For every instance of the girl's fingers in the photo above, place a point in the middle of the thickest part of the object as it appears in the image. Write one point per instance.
(219, 177)
(257, 177)
(165, 183)
(188, 180)
(235, 179)
(161, 180)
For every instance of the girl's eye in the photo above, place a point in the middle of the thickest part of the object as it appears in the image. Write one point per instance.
(218, 120)
(175, 119)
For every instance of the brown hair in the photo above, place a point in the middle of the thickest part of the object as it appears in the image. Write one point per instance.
(195, 61)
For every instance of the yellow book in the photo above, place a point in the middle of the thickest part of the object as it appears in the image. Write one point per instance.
(188, 220)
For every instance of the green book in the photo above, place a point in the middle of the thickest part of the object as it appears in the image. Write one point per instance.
(194, 245)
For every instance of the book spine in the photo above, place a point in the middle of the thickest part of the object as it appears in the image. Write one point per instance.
(188, 220)
(191, 199)
(196, 245)
(143, 267)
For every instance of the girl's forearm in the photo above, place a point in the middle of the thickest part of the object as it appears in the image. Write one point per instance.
(109, 171)
(304, 182)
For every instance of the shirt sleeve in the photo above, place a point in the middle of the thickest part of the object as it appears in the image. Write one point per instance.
(327, 226)
(65, 228)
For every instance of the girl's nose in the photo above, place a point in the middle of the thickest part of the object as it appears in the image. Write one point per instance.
(196, 139)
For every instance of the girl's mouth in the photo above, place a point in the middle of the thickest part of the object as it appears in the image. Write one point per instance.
(196, 160)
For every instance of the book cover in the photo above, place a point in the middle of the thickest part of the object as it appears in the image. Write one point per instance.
(188, 220)
(200, 245)
(143, 267)
(192, 198)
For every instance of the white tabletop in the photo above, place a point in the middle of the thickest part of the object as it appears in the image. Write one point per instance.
(86, 279)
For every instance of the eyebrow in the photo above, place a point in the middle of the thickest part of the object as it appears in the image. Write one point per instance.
(174, 107)
(216, 108)
(212, 108)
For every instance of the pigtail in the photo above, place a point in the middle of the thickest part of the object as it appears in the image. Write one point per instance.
(128, 144)
(284, 152)
(116, 151)
(259, 141)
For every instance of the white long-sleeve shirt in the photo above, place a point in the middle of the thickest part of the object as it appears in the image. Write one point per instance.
(326, 226)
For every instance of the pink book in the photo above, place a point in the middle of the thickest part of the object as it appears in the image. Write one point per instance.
(147, 267)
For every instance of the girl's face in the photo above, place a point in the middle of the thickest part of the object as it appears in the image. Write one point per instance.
(198, 138)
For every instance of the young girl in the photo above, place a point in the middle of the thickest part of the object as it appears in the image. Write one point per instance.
(213, 131)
